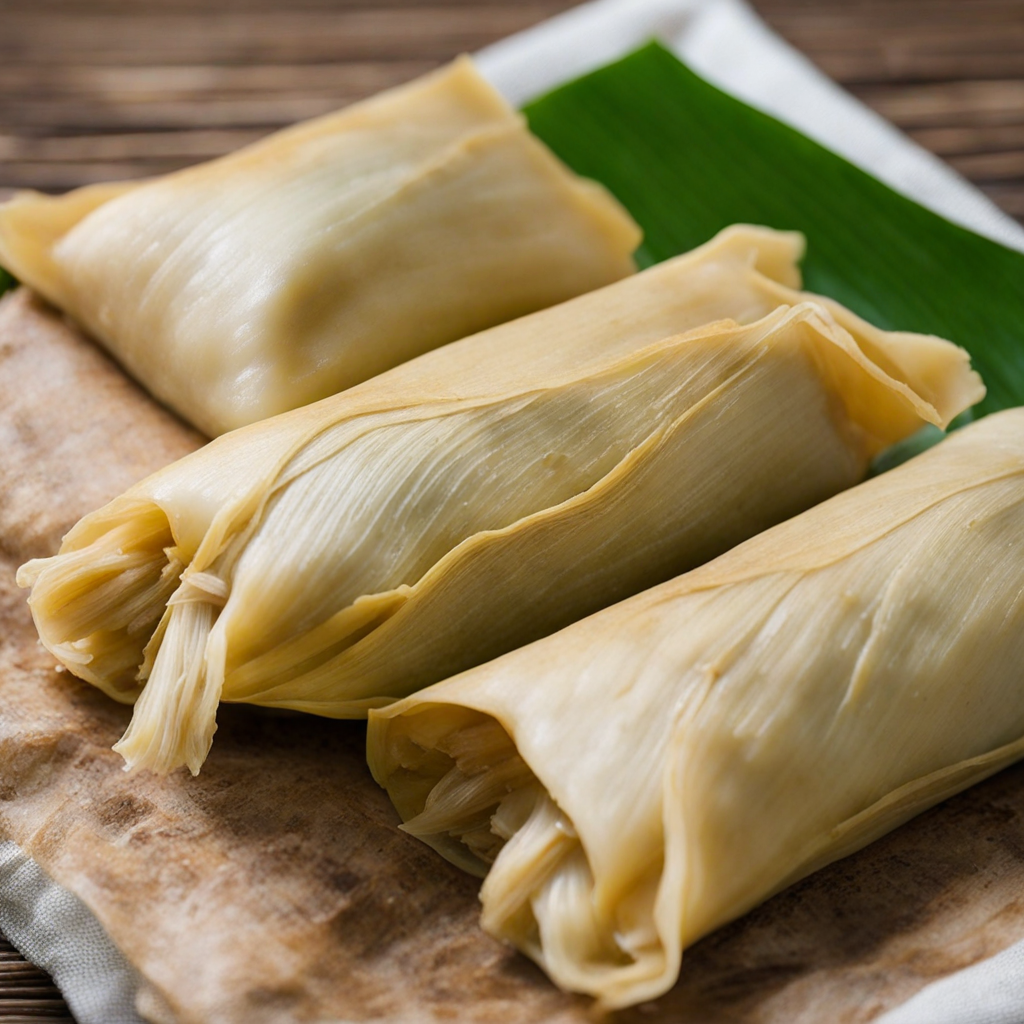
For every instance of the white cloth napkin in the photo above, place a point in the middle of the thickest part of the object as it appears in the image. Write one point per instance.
(725, 42)
(990, 992)
(56, 931)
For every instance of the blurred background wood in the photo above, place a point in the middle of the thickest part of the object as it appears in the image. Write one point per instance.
(97, 89)
(27, 995)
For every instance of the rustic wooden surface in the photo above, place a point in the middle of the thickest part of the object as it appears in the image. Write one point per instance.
(99, 89)
(26, 993)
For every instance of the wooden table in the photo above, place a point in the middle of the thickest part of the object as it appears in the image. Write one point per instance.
(92, 90)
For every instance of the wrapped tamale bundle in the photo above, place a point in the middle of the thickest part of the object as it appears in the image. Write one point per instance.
(348, 553)
(654, 771)
(324, 254)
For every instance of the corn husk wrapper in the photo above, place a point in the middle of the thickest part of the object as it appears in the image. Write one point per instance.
(349, 553)
(324, 254)
(656, 770)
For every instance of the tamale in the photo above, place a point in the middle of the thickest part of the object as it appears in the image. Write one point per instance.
(324, 254)
(348, 553)
(658, 769)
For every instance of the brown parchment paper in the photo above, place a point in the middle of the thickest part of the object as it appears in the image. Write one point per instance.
(275, 887)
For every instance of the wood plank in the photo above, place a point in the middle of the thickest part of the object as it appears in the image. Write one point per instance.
(232, 37)
(965, 103)
(52, 177)
(959, 139)
(203, 8)
(26, 993)
(141, 146)
(866, 41)
(990, 166)
(60, 118)
(116, 84)
(1008, 195)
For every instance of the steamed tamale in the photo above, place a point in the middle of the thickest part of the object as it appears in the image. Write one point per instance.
(346, 554)
(324, 254)
(656, 770)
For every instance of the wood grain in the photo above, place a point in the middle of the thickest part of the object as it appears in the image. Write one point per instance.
(98, 89)
(949, 73)
(119, 88)
(27, 995)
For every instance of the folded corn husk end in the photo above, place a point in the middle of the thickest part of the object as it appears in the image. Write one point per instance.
(460, 785)
(175, 716)
(107, 606)
(96, 607)
(776, 255)
(31, 224)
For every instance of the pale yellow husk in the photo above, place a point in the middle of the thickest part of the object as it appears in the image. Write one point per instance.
(324, 254)
(484, 495)
(656, 770)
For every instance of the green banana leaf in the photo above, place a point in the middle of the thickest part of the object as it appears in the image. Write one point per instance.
(687, 159)
(6, 281)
